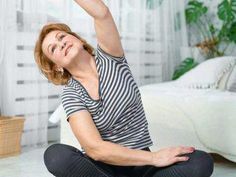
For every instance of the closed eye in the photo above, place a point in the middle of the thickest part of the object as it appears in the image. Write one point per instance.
(53, 49)
(59, 39)
(62, 36)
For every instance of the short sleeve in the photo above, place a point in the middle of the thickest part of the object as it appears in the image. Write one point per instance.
(102, 54)
(71, 101)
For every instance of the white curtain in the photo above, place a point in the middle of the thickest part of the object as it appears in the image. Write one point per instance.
(153, 35)
(7, 27)
(24, 91)
(174, 41)
(141, 40)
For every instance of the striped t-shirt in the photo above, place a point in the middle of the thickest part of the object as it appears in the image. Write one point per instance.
(118, 114)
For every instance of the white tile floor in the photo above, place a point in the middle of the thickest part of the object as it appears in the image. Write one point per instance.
(30, 164)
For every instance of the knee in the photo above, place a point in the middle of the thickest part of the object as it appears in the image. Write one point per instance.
(52, 158)
(202, 163)
(57, 157)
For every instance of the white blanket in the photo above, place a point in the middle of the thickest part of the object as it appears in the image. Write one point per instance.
(211, 113)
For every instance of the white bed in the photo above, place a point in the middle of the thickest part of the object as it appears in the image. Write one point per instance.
(203, 118)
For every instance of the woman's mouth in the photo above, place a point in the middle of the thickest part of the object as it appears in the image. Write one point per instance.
(68, 49)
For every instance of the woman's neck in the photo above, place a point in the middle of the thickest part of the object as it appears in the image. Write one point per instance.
(83, 67)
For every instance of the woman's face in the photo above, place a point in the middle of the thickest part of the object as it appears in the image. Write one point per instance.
(61, 48)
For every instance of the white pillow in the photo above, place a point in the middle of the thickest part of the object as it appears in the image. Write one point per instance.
(222, 85)
(57, 115)
(208, 73)
(231, 84)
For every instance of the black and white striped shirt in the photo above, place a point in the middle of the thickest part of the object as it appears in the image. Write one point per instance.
(118, 114)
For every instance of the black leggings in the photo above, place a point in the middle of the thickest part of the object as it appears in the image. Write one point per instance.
(67, 161)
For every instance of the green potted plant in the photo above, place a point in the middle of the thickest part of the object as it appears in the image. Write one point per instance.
(214, 40)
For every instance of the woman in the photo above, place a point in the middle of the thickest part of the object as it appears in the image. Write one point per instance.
(104, 108)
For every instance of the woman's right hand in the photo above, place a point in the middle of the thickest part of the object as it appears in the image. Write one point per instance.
(170, 155)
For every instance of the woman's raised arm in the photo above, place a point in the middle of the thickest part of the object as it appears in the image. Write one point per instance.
(106, 31)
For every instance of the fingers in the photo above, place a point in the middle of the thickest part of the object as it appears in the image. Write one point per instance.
(180, 159)
(181, 150)
(184, 150)
(170, 155)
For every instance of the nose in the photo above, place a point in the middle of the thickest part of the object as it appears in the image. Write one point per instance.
(62, 44)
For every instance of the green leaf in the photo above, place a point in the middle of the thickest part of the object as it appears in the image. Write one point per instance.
(227, 10)
(228, 32)
(212, 29)
(232, 33)
(194, 11)
(223, 33)
(184, 66)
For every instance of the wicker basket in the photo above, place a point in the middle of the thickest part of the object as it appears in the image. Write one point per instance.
(10, 135)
